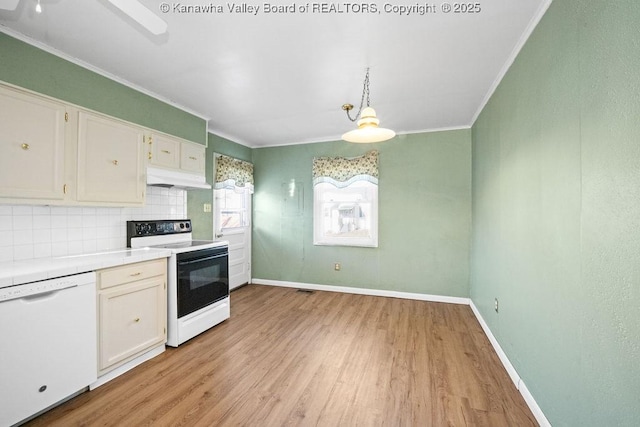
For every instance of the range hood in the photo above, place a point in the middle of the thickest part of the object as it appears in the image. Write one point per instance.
(168, 178)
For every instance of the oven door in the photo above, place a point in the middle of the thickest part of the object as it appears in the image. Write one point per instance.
(203, 278)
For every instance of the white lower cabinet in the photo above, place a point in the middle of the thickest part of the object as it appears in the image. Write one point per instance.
(132, 312)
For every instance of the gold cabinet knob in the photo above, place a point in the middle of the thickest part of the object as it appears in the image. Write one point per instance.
(192, 158)
(137, 319)
(25, 146)
(115, 162)
(166, 151)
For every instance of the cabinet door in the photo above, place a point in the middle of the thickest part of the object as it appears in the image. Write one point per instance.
(31, 146)
(132, 319)
(165, 152)
(110, 161)
(192, 158)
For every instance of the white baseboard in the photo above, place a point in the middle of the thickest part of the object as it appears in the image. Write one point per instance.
(533, 405)
(363, 291)
(513, 374)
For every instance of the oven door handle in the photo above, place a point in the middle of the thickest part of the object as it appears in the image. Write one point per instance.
(191, 261)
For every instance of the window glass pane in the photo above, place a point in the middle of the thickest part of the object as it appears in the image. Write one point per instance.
(230, 208)
(346, 216)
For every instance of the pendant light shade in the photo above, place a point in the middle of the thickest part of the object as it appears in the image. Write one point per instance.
(368, 129)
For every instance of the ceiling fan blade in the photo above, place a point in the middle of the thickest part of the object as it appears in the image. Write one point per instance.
(141, 15)
(9, 4)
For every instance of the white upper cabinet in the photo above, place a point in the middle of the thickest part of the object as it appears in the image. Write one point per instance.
(111, 164)
(177, 154)
(59, 154)
(32, 146)
(165, 151)
(192, 158)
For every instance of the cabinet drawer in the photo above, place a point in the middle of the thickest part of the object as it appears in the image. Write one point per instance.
(129, 273)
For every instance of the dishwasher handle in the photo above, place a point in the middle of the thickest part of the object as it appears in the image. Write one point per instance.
(35, 289)
(44, 296)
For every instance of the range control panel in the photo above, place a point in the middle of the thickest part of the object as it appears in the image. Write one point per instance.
(157, 228)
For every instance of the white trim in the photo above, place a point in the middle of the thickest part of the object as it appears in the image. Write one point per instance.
(433, 130)
(513, 374)
(100, 71)
(362, 291)
(229, 138)
(512, 57)
(533, 405)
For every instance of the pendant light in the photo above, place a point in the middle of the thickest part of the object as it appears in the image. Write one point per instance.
(368, 129)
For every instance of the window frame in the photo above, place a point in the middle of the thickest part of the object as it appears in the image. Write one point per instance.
(322, 236)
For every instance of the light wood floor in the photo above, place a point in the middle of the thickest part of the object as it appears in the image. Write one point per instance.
(288, 358)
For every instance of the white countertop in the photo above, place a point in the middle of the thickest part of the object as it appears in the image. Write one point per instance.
(32, 270)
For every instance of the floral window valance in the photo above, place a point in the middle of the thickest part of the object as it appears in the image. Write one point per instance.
(342, 172)
(232, 173)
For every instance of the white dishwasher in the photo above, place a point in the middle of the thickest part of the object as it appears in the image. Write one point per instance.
(48, 344)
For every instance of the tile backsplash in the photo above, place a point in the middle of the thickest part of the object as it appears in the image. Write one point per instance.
(30, 231)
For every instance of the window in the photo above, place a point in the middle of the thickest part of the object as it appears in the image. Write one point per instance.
(231, 209)
(233, 186)
(346, 201)
(346, 216)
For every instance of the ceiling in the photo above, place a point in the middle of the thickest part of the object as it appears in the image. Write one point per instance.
(281, 78)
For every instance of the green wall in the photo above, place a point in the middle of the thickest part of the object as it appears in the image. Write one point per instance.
(203, 222)
(424, 217)
(29, 67)
(556, 213)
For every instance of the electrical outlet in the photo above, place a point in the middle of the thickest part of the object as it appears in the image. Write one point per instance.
(337, 266)
(207, 207)
(495, 305)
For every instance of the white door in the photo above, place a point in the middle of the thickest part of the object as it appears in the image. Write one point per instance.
(232, 222)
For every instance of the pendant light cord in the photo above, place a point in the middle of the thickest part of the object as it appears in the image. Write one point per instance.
(365, 90)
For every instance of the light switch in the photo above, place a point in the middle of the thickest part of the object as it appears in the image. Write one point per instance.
(207, 207)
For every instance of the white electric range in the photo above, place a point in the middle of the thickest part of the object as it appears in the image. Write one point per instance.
(197, 276)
